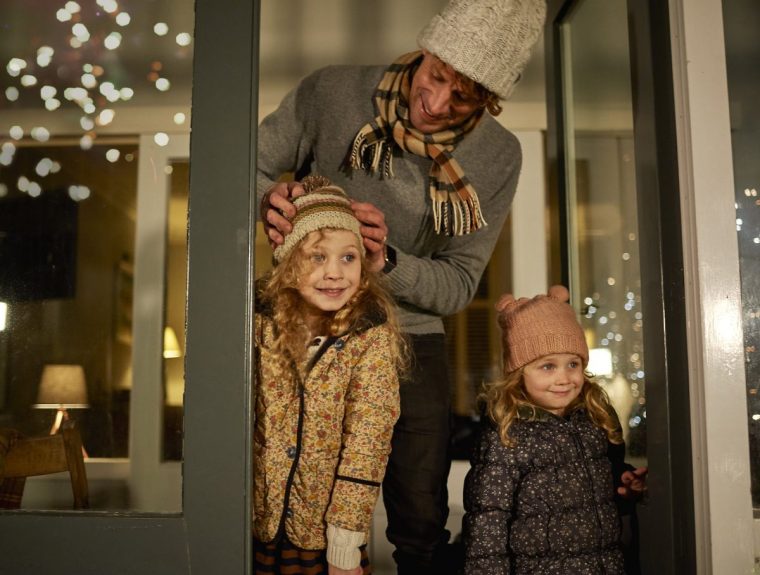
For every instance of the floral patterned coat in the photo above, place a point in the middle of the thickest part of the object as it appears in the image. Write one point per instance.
(321, 441)
(544, 506)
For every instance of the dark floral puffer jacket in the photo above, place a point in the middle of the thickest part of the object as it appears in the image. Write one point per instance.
(544, 506)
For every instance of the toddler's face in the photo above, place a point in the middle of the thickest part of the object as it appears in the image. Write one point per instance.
(333, 270)
(554, 381)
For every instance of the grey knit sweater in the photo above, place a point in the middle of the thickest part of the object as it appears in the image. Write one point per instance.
(311, 132)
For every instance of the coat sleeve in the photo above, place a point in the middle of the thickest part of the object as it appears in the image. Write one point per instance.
(489, 491)
(372, 408)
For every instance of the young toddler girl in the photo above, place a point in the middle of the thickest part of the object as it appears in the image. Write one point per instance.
(539, 497)
(328, 354)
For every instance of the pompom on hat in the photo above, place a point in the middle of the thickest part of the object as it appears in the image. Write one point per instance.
(489, 41)
(323, 206)
(535, 327)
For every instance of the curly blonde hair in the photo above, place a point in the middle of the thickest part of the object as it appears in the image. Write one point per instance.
(505, 397)
(483, 97)
(280, 293)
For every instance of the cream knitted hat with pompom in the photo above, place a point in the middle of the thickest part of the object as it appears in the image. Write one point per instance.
(539, 326)
(489, 41)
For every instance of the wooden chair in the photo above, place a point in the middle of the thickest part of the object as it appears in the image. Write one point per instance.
(51, 454)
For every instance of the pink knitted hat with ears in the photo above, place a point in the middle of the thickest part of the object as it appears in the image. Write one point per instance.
(539, 326)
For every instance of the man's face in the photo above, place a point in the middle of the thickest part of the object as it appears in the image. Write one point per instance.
(437, 100)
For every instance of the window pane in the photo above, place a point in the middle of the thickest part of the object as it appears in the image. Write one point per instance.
(743, 58)
(601, 200)
(92, 96)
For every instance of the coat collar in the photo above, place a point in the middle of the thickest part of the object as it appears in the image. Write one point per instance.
(535, 413)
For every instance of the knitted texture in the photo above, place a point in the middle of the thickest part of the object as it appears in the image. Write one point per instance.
(323, 206)
(343, 547)
(539, 326)
(489, 41)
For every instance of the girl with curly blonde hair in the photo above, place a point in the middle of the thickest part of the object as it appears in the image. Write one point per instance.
(328, 357)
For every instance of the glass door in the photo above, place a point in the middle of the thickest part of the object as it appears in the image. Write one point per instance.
(166, 536)
(612, 150)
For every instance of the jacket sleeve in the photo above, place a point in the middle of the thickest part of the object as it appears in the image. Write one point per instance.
(489, 491)
(372, 406)
(618, 465)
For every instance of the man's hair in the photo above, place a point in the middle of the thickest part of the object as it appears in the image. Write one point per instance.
(484, 97)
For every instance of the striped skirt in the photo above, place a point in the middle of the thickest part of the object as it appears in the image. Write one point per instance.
(284, 558)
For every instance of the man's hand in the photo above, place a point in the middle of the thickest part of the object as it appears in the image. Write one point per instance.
(634, 483)
(333, 570)
(374, 233)
(277, 210)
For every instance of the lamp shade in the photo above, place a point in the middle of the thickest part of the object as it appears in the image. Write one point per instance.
(62, 386)
(600, 361)
(171, 345)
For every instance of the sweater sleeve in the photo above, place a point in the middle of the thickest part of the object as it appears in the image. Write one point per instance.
(489, 491)
(372, 408)
(285, 137)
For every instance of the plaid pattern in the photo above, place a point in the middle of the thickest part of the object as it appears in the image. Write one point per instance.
(456, 208)
(11, 488)
(284, 558)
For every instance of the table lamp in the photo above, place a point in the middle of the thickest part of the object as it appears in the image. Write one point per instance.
(62, 387)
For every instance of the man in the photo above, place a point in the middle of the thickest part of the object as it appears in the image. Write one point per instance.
(434, 176)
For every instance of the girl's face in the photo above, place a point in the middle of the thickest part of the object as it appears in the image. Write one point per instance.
(554, 381)
(332, 272)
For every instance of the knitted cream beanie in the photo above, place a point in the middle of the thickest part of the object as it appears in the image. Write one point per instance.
(488, 41)
(323, 206)
(539, 326)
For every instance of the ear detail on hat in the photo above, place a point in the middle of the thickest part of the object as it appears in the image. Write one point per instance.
(504, 301)
(559, 292)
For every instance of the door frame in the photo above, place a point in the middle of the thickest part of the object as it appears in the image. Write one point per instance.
(212, 534)
(726, 540)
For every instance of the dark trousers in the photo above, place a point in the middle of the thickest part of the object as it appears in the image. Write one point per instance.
(414, 488)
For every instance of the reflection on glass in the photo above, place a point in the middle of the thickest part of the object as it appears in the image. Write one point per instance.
(742, 58)
(65, 278)
(176, 272)
(80, 85)
(601, 199)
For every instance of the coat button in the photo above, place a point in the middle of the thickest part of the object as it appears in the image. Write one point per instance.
(291, 451)
(339, 344)
(289, 513)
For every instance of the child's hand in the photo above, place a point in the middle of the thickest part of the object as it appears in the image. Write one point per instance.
(634, 483)
(333, 570)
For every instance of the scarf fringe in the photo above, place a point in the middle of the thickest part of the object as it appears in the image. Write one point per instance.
(371, 156)
(454, 215)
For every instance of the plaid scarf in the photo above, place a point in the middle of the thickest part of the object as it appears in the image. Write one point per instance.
(456, 208)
